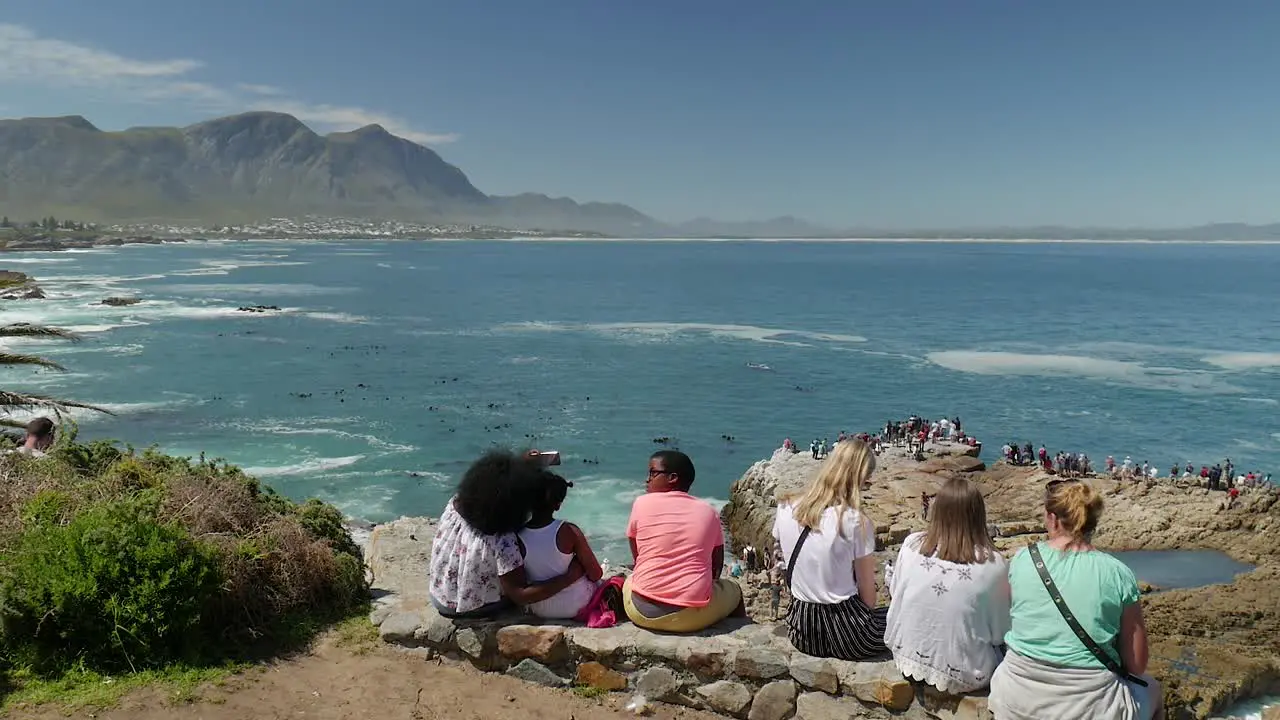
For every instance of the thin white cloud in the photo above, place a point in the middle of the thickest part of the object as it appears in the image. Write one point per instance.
(27, 58)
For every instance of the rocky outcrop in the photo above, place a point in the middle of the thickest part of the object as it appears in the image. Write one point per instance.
(121, 301)
(1211, 646)
(892, 501)
(19, 286)
(259, 308)
(740, 668)
(48, 242)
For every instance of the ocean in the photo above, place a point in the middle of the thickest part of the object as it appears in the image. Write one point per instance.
(392, 364)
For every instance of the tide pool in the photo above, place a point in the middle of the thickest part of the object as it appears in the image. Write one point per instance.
(393, 364)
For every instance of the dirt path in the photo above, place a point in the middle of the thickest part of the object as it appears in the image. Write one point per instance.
(336, 683)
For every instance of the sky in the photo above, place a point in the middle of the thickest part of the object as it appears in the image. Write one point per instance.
(891, 114)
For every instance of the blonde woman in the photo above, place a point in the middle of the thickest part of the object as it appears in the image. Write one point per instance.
(1096, 668)
(950, 596)
(831, 570)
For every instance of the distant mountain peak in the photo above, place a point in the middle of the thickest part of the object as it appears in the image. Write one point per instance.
(72, 121)
(263, 164)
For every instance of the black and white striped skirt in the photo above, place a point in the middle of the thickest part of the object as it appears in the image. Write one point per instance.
(845, 631)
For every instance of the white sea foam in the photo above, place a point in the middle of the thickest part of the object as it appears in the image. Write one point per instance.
(662, 331)
(372, 440)
(306, 467)
(35, 260)
(1118, 371)
(1260, 401)
(1245, 360)
(338, 317)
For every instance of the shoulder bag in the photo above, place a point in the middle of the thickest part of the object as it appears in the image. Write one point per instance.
(795, 553)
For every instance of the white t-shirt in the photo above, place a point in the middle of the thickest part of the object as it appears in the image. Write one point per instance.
(824, 570)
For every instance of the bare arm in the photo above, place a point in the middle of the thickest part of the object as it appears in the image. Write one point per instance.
(635, 554)
(582, 551)
(1133, 640)
(864, 569)
(717, 562)
(516, 586)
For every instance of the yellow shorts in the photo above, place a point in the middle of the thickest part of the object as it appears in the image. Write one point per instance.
(726, 596)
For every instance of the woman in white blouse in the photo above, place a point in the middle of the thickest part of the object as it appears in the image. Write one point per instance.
(949, 607)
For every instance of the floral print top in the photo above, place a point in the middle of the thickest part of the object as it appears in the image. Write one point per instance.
(466, 565)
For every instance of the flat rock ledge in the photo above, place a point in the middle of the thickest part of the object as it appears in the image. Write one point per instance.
(738, 669)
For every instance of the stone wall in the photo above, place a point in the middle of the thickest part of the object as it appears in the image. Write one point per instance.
(739, 668)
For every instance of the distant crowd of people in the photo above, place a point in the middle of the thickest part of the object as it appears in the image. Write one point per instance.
(912, 433)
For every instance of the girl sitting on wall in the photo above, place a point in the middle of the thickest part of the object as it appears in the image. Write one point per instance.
(476, 566)
(831, 570)
(950, 596)
(551, 546)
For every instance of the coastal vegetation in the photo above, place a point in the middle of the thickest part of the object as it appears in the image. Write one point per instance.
(115, 561)
(119, 562)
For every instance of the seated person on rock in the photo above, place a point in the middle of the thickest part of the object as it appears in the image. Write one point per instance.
(476, 567)
(551, 546)
(1049, 671)
(678, 545)
(949, 610)
(831, 570)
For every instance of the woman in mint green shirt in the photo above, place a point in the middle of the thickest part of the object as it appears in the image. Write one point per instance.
(1048, 672)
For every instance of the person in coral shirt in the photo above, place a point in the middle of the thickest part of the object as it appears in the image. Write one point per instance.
(678, 545)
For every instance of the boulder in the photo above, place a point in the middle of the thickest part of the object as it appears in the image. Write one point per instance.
(815, 672)
(121, 301)
(593, 674)
(537, 673)
(543, 643)
(774, 701)
(880, 683)
(821, 706)
(728, 697)
(659, 683)
(760, 663)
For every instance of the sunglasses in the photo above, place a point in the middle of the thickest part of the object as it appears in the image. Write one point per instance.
(656, 473)
(1055, 483)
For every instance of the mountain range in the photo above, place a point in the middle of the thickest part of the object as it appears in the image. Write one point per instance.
(258, 165)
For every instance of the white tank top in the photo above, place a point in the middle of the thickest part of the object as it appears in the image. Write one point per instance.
(544, 561)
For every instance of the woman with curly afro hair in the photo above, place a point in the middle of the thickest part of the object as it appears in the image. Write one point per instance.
(477, 569)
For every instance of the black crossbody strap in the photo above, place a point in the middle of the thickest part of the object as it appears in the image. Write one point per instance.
(795, 553)
(1107, 661)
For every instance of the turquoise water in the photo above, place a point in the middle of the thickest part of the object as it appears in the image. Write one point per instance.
(1164, 353)
(1173, 569)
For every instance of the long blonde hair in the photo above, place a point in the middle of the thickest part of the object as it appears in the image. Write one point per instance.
(958, 525)
(838, 485)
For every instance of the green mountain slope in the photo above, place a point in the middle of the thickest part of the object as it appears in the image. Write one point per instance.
(258, 165)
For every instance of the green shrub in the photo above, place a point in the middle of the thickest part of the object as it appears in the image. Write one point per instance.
(48, 507)
(112, 589)
(324, 522)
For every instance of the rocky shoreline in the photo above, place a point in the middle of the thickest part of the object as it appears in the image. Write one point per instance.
(1212, 646)
(45, 242)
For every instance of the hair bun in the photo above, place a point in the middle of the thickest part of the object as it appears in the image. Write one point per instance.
(568, 484)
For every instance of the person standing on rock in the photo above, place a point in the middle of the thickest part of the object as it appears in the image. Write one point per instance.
(1077, 644)
(832, 571)
(678, 545)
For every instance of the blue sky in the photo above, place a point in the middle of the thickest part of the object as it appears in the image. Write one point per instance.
(895, 114)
